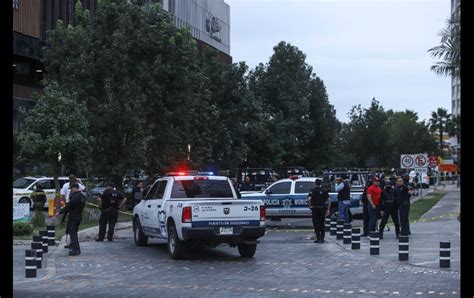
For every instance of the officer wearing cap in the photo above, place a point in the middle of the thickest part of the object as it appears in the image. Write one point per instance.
(110, 202)
(74, 208)
(320, 206)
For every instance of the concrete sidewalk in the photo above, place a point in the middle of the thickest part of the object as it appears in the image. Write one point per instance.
(425, 237)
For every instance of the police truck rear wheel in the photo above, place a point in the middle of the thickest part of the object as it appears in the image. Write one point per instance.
(247, 250)
(140, 238)
(175, 246)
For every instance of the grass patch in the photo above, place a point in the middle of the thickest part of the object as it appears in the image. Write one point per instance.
(422, 206)
(86, 223)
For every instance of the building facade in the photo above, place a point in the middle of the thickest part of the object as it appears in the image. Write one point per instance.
(455, 101)
(31, 20)
(207, 20)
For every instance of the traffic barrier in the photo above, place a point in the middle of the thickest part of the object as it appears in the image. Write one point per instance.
(44, 238)
(347, 233)
(445, 254)
(51, 235)
(403, 248)
(30, 263)
(355, 238)
(339, 229)
(37, 245)
(327, 224)
(374, 243)
(333, 227)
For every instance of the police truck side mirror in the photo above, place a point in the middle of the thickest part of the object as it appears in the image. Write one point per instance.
(238, 194)
(268, 192)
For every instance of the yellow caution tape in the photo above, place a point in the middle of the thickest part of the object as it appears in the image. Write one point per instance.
(446, 215)
(97, 206)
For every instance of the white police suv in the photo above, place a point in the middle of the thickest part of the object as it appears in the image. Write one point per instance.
(185, 209)
(24, 187)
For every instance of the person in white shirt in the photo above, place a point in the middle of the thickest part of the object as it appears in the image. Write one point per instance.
(65, 193)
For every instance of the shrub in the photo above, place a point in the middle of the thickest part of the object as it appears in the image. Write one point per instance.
(38, 219)
(22, 228)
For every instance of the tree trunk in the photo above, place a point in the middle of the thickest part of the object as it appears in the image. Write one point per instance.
(56, 168)
(118, 181)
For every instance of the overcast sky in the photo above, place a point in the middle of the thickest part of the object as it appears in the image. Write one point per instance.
(360, 49)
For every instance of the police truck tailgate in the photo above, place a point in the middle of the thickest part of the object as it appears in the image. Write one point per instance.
(226, 213)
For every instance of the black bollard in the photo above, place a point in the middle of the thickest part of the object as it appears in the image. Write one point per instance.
(30, 263)
(44, 238)
(347, 233)
(403, 248)
(37, 245)
(327, 224)
(333, 227)
(355, 238)
(374, 243)
(340, 230)
(51, 235)
(445, 254)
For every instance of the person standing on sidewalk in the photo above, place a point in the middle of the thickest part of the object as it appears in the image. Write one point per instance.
(402, 198)
(74, 208)
(110, 203)
(365, 206)
(318, 199)
(343, 197)
(65, 196)
(373, 196)
(387, 208)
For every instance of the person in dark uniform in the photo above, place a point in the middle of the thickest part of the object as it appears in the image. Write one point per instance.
(110, 202)
(388, 207)
(343, 190)
(74, 208)
(138, 190)
(318, 198)
(402, 199)
(365, 207)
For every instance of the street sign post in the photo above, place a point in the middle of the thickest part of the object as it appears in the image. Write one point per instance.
(413, 161)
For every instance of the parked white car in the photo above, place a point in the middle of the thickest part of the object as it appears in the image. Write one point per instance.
(24, 187)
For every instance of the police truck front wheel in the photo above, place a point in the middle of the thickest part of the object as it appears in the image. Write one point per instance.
(175, 246)
(247, 250)
(140, 238)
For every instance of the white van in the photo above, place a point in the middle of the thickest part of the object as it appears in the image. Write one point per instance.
(23, 187)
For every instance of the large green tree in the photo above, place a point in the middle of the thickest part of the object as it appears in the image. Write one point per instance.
(56, 130)
(439, 124)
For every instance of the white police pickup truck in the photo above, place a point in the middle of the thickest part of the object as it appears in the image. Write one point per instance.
(197, 209)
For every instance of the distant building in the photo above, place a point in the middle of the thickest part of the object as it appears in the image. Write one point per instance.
(208, 21)
(455, 100)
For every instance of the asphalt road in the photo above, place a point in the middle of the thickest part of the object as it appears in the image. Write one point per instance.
(286, 264)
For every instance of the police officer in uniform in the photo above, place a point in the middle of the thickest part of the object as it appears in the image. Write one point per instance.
(74, 208)
(388, 207)
(318, 198)
(110, 202)
(365, 207)
(402, 198)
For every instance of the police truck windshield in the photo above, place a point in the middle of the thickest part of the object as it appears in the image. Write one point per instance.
(201, 189)
(22, 183)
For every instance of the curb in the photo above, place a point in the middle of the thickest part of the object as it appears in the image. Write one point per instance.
(83, 235)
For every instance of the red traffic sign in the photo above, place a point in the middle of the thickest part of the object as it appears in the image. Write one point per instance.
(421, 161)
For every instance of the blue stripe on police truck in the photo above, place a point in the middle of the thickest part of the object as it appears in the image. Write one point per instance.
(225, 223)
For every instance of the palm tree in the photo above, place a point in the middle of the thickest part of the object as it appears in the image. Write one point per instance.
(439, 122)
(449, 51)
(454, 127)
